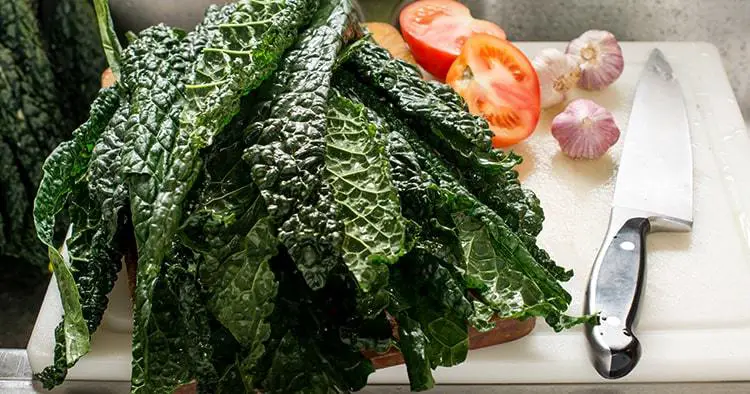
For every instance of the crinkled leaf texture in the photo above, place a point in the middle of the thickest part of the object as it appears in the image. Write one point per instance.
(287, 160)
(186, 89)
(87, 276)
(75, 51)
(359, 174)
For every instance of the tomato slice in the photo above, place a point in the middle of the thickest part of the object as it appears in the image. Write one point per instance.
(436, 30)
(498, 82)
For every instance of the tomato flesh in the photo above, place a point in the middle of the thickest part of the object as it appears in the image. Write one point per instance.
(436, 31)
(498, 82)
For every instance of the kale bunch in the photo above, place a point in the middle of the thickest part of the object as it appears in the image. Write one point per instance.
(292, 199)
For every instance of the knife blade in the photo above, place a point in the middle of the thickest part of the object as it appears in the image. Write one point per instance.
(653, 193)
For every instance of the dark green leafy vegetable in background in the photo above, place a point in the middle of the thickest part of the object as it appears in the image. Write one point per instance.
(74, 50)
(31, 125)
(14, 183)
(296, 201)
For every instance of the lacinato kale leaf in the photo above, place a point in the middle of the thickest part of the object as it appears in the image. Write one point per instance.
(244, 291)
(359, 173)
(19, 32)
(229, 227)
(179, 326)
(241, 46)
(16, 232)
(465, 233)
(89, 273)
(31, 125)
(287, 160)
(413, 344)
(306, 351)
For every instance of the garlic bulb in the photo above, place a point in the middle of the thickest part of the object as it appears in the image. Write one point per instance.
(600, 58)
(585, 130)
(558, 72)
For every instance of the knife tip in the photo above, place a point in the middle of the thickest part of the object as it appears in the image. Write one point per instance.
(658, 62)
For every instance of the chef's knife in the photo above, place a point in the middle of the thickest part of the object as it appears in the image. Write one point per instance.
(654, 192)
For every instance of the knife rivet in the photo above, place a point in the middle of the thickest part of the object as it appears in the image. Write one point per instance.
(627, 245)
(613, 321)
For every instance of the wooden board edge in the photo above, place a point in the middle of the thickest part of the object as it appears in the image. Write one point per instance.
(506, 330)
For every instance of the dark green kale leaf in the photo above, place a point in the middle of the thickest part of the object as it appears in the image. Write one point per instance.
(228, 226)
(288, 159)
(30, 127)
(179, 329)
(93, 260)
(75, 52)
(242, 44)
(152, 70)
(440, 282)
(467, 234)
(242, 288)
(413, 344)
(19, 32)
(307, 353)
(359, 173)
(429, 335)
(495, 260)
(99, 235)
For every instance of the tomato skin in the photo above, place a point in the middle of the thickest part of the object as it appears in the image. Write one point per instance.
(498, 82)
(436, 31)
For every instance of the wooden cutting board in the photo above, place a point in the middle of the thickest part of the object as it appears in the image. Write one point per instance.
(695, 317)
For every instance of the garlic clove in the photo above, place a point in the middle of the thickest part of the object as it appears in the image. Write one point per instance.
(600, 58)
(558, 72)
(585, 130)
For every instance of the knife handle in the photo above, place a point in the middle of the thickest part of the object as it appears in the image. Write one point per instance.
(614, 291)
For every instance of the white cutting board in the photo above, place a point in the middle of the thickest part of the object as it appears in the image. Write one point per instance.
(695, 314)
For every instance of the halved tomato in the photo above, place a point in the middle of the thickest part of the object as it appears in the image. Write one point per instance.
(498, 82)
(436, 30)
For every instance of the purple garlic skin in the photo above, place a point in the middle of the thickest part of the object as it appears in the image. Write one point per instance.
(585, 130)
(600, 59)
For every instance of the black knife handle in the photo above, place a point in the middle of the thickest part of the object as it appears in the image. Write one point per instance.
(614, 291)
